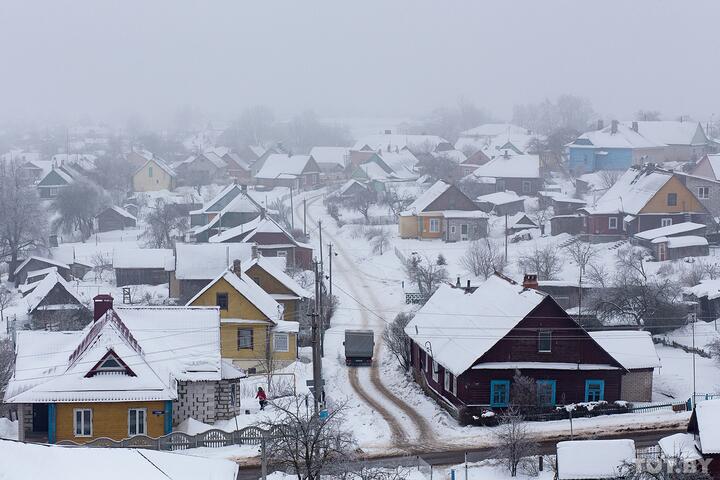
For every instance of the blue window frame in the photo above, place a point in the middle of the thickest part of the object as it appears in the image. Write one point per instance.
(546, 392)
(594, 390)
(499, 393)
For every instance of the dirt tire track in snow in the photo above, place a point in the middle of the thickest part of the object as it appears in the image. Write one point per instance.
(400, 436)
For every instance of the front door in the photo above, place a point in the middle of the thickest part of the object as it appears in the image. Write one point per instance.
(463, 232)
(40, 417)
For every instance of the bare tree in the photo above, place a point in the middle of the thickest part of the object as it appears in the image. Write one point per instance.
(714, 349)
(541, 215)
(608, 178)
(694, 273)
(7, 299)
(523, 393)
(283, 213)
(163, 223)
(362, 203)
(397, 200)
(397, 341)
(102, 262)
(483, 258)
(514, 442)
(76, 206)
(545, 261)
(306, 443)
(648, 115)
(23, 223)
(428, 275)
(381, 242)
(7, 366)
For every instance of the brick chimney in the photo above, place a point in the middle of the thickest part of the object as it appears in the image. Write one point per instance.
(530, 281)
(614, 127)
(601, 124)
(635, 126)
(102, 303)
(237, 267)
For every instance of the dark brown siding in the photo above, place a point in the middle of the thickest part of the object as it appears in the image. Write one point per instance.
(451, 199)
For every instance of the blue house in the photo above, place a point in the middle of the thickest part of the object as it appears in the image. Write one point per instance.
(615, 147)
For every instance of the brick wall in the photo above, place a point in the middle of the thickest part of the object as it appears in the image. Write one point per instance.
(636, 386)
(196, 400)
(224, 408)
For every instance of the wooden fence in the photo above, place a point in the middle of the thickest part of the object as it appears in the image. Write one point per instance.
(182, 441)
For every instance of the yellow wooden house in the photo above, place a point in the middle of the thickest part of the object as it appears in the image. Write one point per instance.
(268, 274)
(253, 333)
(154, 175)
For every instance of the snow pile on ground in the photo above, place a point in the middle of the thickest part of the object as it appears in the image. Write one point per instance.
(20, 461)
(593, 458)
(8, 429)
(493, 470)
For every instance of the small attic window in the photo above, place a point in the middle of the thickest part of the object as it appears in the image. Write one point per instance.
(110, 363)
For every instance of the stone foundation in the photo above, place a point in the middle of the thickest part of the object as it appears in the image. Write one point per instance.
(636, 386)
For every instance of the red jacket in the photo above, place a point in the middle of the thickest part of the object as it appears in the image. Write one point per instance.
(261, 395)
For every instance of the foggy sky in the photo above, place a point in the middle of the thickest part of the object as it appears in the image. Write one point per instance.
(110, 59)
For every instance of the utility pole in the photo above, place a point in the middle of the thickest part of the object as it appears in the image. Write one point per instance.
(330, 255)
(317, 365)
(321, 252)
(692, 319)
(506, 235)
(305, 216)
(292, 210)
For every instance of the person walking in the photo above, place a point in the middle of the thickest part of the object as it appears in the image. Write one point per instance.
(262, 398)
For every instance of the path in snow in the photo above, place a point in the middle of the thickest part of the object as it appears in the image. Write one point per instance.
(401, 437)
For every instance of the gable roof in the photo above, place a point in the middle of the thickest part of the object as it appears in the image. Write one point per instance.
(520, 220)
(713, 160)
(510, 166)
(204, 261)
(247, 231)
(43, 287)
(625, 137)
(280, 165)
(331, 155)
(237, 160)
(386, 141)
(120, 211)
(49, 261)
(463, 326)
(278, 274)
(634, 349)
(346, 186)
(215, 159)
(632, 191)
(246, 287)
(704, 421)
(500, 198)
(429, 196)
(671, 132)
(159, 162)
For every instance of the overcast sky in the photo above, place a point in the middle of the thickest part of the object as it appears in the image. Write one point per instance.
(391, 58)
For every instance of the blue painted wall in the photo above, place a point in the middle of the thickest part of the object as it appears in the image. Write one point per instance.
(52, 423)
(587, 160)
(168, 416)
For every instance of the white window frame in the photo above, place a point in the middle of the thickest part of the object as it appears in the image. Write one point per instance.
(53, 191)
(666, 222)
(137, 424)
(548, 333)
(285, 336)
(435, 371)
(452, 229)
(706, 191)
(436, 223)
(612, 223)
(282, 253)
(83, 412)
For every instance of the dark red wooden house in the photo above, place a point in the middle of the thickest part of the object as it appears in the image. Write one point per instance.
(467, 345)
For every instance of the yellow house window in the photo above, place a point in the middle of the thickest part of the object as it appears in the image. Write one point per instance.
(281, 342)
(82, 422)
(245, 339)
(221, 300)
(137, 421)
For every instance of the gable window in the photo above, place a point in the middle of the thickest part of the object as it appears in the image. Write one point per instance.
(665, 222)
(434, 225)
(435, 371)
(499, 393)
(150, 172)
(612, 223)
(546, 393)
(281, 342)
(672, 199)
(245, 339)
(545, 341)
(53, 191)
(137, 421)
(221, 300)
(282, 253)
(82, 422)
(594, 390)
(703, 193)
(526, 186)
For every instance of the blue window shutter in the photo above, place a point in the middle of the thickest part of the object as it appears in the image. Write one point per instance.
(499, 393)
(52, 423)
(168, 416)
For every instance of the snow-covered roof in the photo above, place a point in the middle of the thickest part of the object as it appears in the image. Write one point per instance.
(625, 137)
(669, 132)
(714, 162)
(246, 287)
(20, 460)
(281, 165)
(388, 141)
(348, 184)
(631, 192)
(679, 445)
(247, 232)
(402, 163)
(142, 258)
(453, 155)
(215, 159)
(204, 261)
(123, 212)
(493, 130)
(510, 166)
(373, 171)
(428, 196)
(270, 266)
(593, 459)
(682, 242)
(670, 230)
(157, 344)
(464, 214)
(706, 288)
(499, 198)
(708, 420)
(632, 348)
(461, 326)
(49, 261)
(43, 287)
(520, 220)
(238, 160)
(157, 161)
(333, 155)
